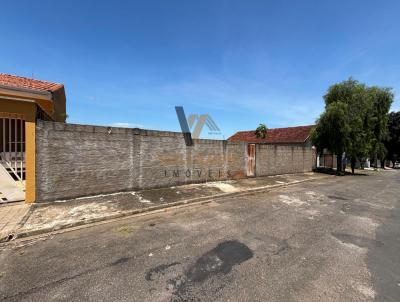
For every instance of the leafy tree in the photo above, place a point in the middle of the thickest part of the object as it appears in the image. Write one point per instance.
(332, 130)
(261, 131)
(392, 142)
(360, 132)
(382, 99)
(357, 124)
(344, 126)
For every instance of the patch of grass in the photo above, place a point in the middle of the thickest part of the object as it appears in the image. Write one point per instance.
(126, 230)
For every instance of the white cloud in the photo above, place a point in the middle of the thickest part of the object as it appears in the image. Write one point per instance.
(283, 106)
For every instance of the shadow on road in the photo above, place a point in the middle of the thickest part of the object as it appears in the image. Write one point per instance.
(331, 171)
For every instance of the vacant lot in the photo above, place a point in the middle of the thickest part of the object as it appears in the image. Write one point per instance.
(327, 240)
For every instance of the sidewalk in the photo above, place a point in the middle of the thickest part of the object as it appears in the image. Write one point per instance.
(11, 217)
(62, 214)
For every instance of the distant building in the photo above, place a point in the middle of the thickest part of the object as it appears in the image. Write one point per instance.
(299, 135)
(292, 143)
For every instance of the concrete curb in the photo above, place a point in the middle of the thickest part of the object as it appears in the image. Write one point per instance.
(150, 210)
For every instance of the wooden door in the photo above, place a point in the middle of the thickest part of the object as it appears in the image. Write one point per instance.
(251, 160)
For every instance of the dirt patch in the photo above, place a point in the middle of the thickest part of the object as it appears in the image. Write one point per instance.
(126, 230)
(291, 200)
(224, 187)
(357, 240)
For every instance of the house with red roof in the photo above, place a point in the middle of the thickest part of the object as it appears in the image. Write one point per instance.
(283, 150)
(23, 101)
(289, 135)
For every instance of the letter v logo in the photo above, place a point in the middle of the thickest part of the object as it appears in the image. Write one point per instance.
(195, 123)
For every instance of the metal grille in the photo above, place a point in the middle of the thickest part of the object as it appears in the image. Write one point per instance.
(12, 147)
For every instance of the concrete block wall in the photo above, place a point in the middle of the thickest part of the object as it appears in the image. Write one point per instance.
(283, 159)
(81, 160)
(76, 160)
(159, 152)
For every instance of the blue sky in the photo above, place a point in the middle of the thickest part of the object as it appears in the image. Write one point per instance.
(242, 62)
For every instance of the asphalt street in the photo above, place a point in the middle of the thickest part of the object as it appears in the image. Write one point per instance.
(336, 239)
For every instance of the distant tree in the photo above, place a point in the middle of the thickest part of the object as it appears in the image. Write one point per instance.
(261, 131)
(332, 131)
(360, 135)
(392, 142)
(382, 99)
(344, 126)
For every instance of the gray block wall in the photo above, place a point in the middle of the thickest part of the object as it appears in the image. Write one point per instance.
(283, 159)
(77, 160)
(82, 160)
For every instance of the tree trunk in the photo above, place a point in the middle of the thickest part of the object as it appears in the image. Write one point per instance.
(383, 163)
(339, 163)
(353, 164)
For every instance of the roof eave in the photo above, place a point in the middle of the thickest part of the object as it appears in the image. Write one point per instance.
(25, 93)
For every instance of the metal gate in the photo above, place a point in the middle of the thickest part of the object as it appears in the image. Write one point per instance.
(251, 160)
(326, 161)
(12, 148)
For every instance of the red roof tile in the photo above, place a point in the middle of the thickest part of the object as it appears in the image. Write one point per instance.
(26, 83)
(290, 135)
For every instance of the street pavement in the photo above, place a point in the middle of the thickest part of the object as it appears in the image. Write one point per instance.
(47, 217)
(335, 239)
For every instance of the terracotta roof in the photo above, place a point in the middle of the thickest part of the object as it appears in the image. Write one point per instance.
(289, 135)
(26, 83)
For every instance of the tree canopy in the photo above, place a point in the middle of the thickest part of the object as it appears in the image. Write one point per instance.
(261, 131)
(382, 99)
(354, 121)
(392, 141)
